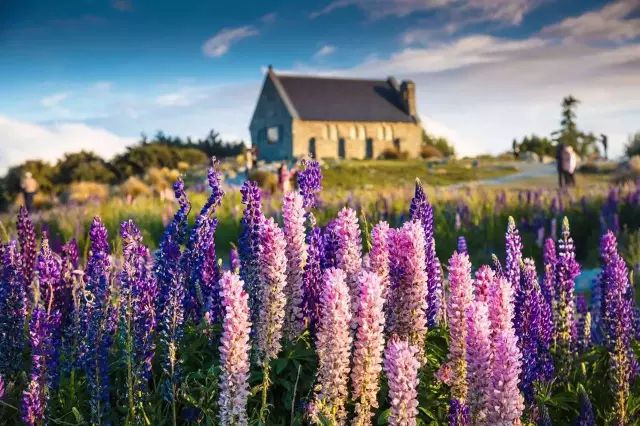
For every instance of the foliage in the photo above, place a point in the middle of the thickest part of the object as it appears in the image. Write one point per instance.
(541, 146)
(82, 166)
(212, 145)
(140, 158)
(568, 134)
(440, 143)
(393, 154)
(81, 192)
(430, 151)
(632, 148)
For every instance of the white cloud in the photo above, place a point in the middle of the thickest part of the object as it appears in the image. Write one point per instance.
(269, 18)
(54, 100)
(21, 140)
(615, 22)
(324, 51)
(220, 43)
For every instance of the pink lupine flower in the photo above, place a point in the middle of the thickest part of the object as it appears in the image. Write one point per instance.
(296, 250)
(273, 268)
(484, 278)
(479, 359)
(333, 346)
(407, 302)
(401, 367)
(349, 250)
(506, 403)
(368, 346)
(460, 299)
(379, 254)
(234, 351)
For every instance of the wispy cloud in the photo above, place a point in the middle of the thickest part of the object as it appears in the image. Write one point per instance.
(54, 100)
(616, 22)
(269, 18)
(220, 43)
(122, 5)
(324, 51)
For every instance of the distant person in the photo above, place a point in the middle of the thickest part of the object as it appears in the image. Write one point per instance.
(29, 187)
(559, 151)
(569, 164)
(605, 144)
(284, 178)
(516, 149)
(248, 161)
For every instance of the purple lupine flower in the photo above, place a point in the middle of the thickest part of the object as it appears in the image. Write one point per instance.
(498, 270)
(2, 388)
(47, 271)
(421, 209)
(249, 248)
(69, 263)
(309, 181)
(12, 310)
(171, 293)
(199, 259)
(312, 277)
(234, 260)
(459, 301)
(462, 245)
(368, 346)
(484, 279)
(296, 253)
(273, 279)
(618, 324)
(583, 323)
(379, 254)
(407, 300)
(459, 413)
(567, 269)
(27, 241)
(234, 351)
(35, 396)
(333, 346)
(138, 292)
(549, 258)
(585, 417)
(505, 400)
(535, 336)
(478, 359)
(401, 366)
(349, 252)
(99, 321)
(330, 244)
(513, 256)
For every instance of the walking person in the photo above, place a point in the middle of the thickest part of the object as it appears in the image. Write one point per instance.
(559, 151)
(29, 187)
(284, 178)
(573, 164)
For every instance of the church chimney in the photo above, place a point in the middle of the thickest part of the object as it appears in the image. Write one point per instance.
(408, 92)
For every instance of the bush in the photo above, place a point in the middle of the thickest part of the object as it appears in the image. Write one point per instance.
(393, 154)
(633, 147)
(429, 151)
(134, 187)
(266, 180)
(82, 192)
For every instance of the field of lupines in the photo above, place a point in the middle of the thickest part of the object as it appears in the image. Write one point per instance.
(344, 323)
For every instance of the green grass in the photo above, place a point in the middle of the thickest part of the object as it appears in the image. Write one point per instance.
(369, 174)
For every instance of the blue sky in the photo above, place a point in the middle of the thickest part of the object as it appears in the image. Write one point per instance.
(94, 74)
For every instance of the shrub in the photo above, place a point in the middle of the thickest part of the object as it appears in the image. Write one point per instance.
(393, 154)
(632, 148)
(266, 180)
(134, 187)
(82, 192)
(430, 151)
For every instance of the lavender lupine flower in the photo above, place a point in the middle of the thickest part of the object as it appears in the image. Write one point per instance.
(379, 254)
(333, 346)
(330, 244)
(567, 269)
(234, 260)
(309, 181)
(484, 279)
(459, 413)
(505, 400)
(170, 278)
(312, 277)
(368, 347)
(401, 366)
(462, 245)
(249, 248)
(138, 292)
(199, 258)
(234, 351)
(349, 252)
(478, 359)
(407, 300)
(422, 210)
(35, 396)
(583, 323)
(535, 334)
(618, 324)
(100, 320)
(69, 263)
(296, 253)
(27, 241)
(513, 256)
(273, 279)
(549, 258)
(586, 417)
(459, 301)
(12, 311)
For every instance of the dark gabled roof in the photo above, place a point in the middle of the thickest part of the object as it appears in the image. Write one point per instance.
(341, 99)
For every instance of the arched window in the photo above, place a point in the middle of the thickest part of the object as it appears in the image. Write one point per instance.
(362, 134)
(380, 133)
(352, 132)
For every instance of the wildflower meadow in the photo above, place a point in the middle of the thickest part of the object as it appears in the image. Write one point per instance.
(318, 318)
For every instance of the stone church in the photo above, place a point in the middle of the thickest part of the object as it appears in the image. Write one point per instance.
(298, 116)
